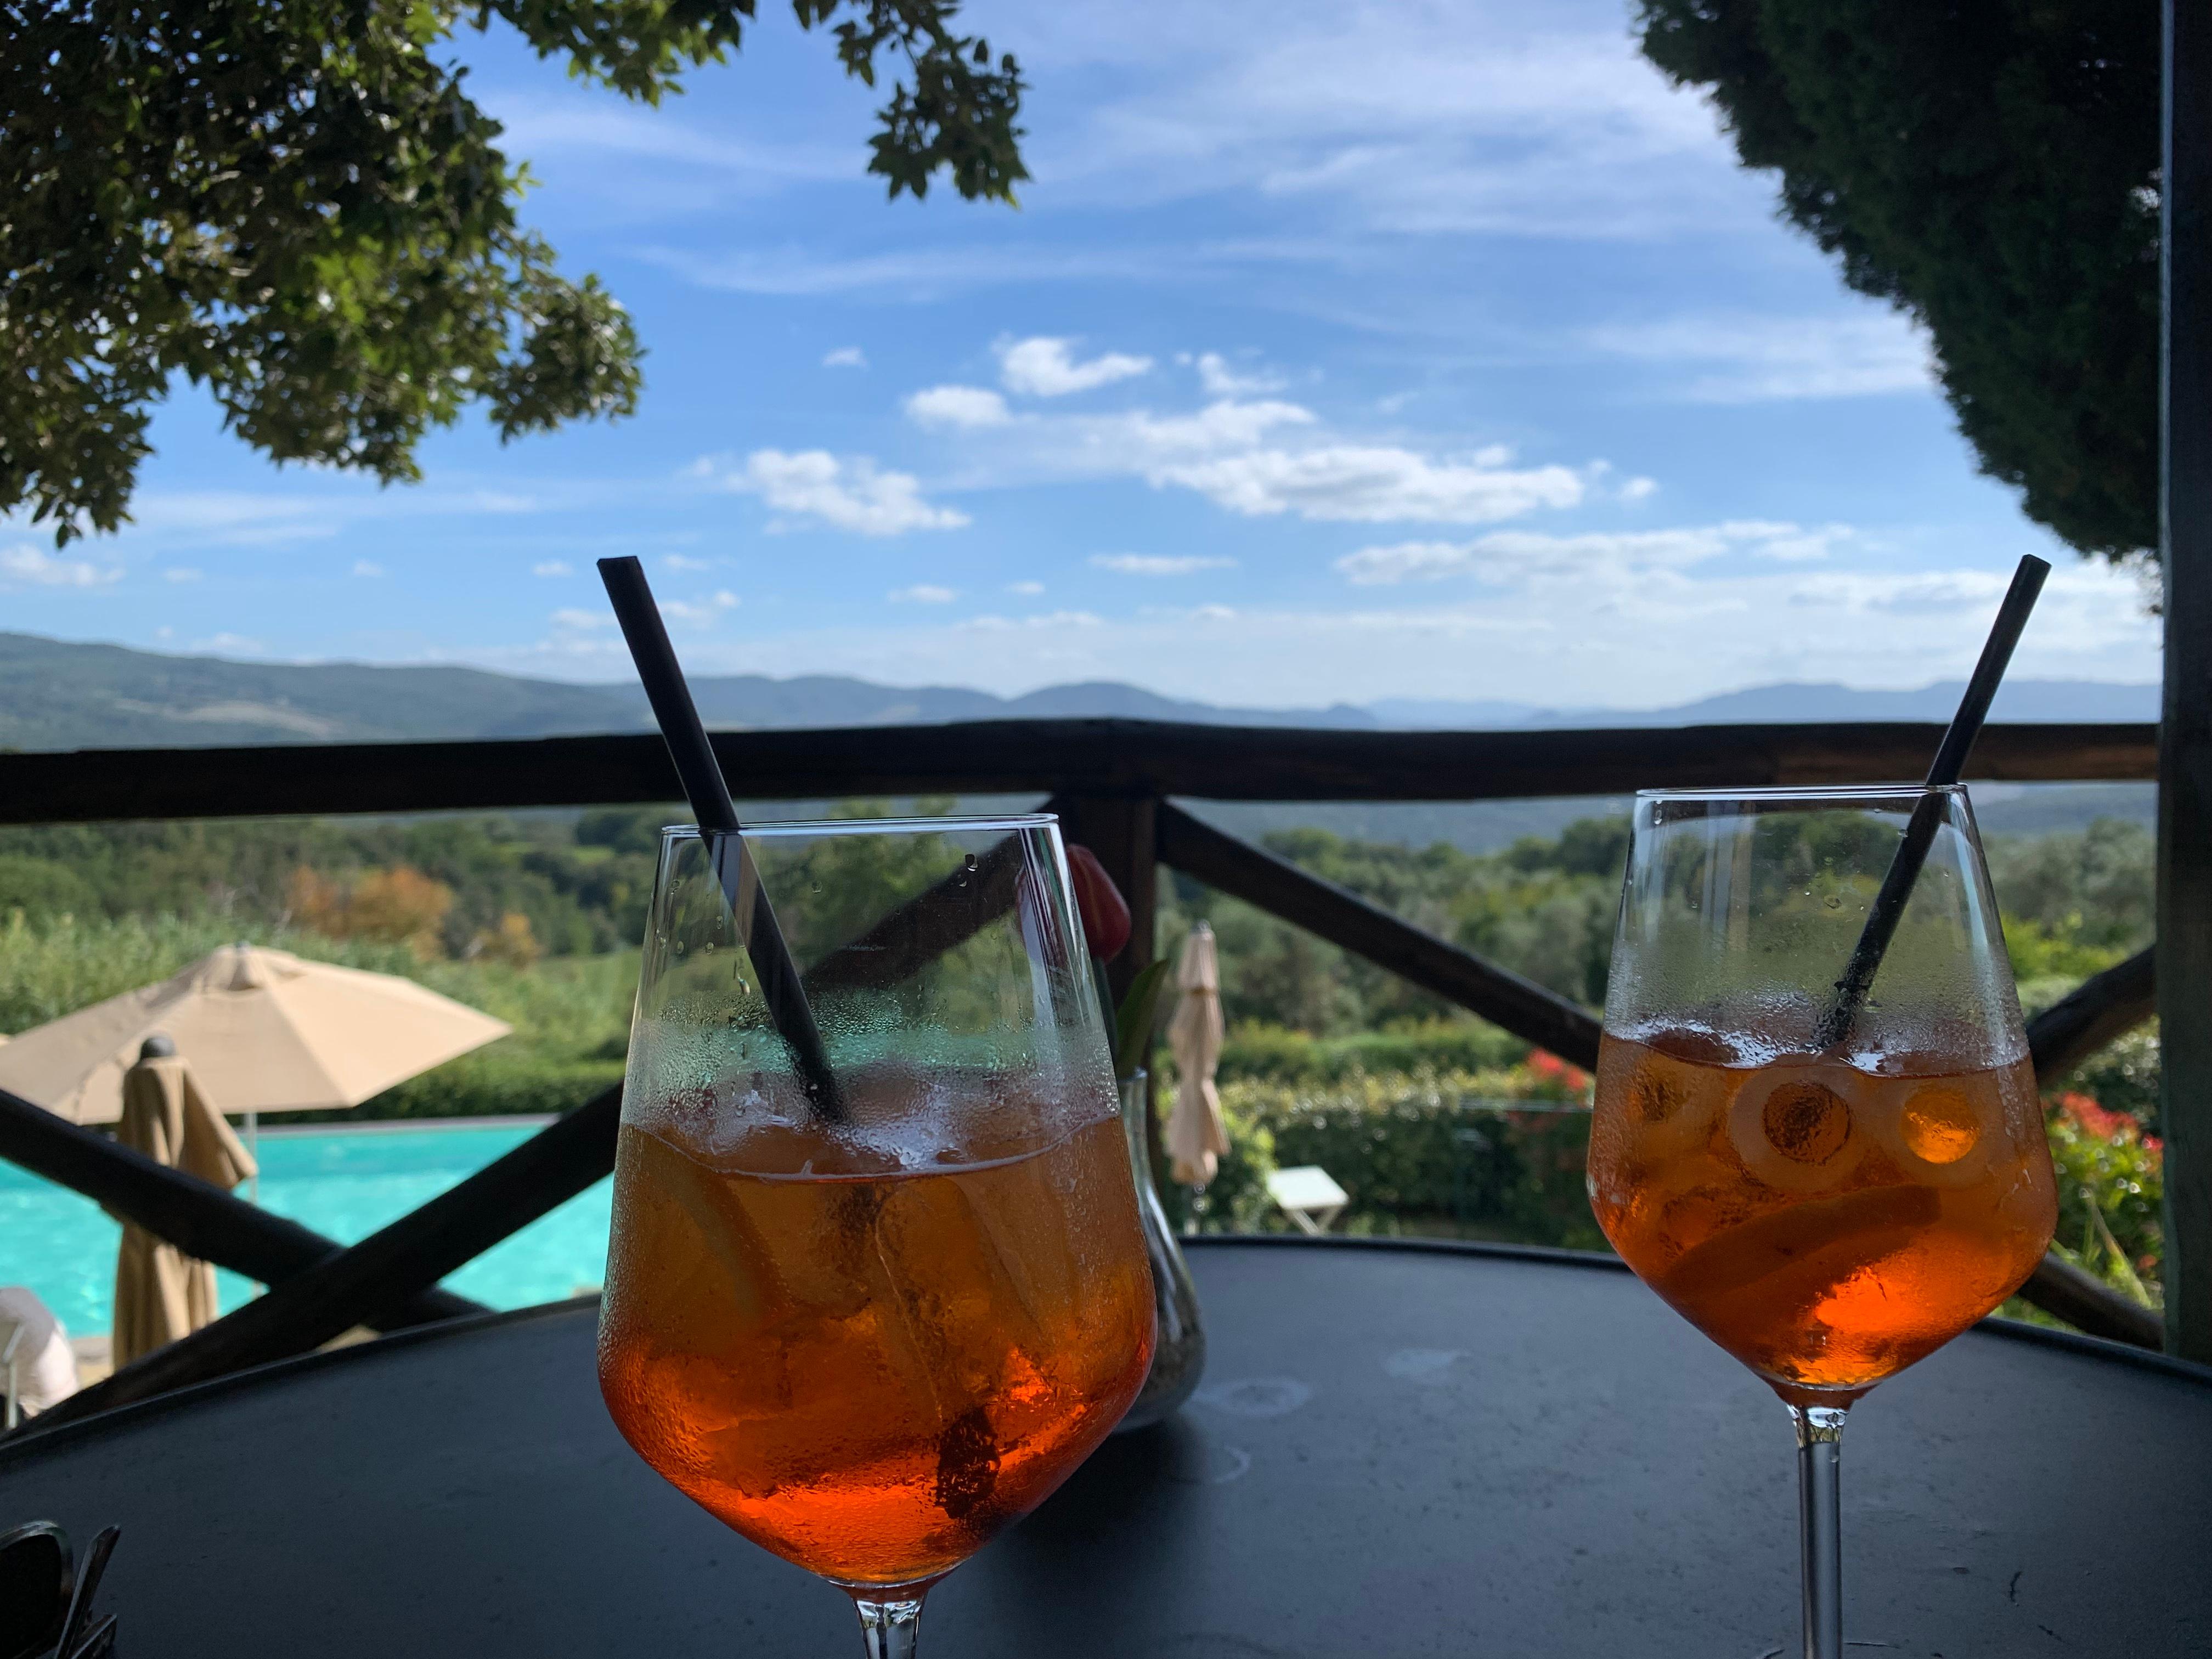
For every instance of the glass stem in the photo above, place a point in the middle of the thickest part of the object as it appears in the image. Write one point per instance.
(1820, 1523)
(891, 1629)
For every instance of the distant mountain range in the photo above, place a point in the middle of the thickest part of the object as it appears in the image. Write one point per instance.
(58, 695)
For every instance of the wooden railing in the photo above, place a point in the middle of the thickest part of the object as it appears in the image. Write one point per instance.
(1111, 781)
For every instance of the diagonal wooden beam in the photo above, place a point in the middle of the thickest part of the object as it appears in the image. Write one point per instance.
(199, 1218)
(924, 927)
(1343, 919)
(1529, 1011)
(400, 1261)
(2102, 1007)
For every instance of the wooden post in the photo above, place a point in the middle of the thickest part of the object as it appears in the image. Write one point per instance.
(2184, 769)
(1124, 835)
(1124, 832)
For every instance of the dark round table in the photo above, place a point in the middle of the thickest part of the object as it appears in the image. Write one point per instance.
(1398, 1450)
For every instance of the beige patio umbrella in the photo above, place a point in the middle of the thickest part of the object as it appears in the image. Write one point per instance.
(1196, 1137)
(161, 1293)
(265, 1032)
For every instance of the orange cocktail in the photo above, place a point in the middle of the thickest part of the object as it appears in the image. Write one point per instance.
(1817, 1134)
(1826, 1223)
(876, 1281)
(867, 1368)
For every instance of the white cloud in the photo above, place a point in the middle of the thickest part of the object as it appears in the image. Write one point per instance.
(581, 621)
(233, 644)
(684, 562)
(1051, 620)
(1609, 635)
(551, 567)
(1253, 457)
(1511, 556)
(1375, 485)
(1640, 489)
(1220, 380)
(26, 565)
(1044, 366)
(1028, 589)
(1902, 592)
(1159, 564)
(921, 593)
(846, 493)
(968, 407)
(239, 518)
(700, 612)
(367, 568)
(182, 573)
(1750, 359)
(1419, 118)
(912, 275)
(845, 357)
(1147, 444)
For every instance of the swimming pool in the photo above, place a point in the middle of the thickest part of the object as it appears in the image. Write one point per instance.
(345, 1183)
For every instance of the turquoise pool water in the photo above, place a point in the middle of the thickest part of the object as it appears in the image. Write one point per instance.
(345, 1184)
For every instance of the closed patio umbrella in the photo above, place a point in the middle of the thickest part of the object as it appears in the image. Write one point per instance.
(161, 1293)
(265, 1030)
(1196, 1136)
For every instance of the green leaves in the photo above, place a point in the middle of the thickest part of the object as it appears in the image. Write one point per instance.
(294, 205)
(1137, 1018)
(1129, 1038)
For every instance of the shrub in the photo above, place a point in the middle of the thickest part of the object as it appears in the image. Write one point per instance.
(1277, 1055)
(396, 906)
(2124, 1077)
(2112, 1188)
(41, 887)
(512, 942)
(1497, 1153)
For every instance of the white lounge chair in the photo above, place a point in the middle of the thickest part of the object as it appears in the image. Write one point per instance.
(1307, 1194)
(38, 1367)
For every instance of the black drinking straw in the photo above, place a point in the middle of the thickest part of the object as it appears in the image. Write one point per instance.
(1927, 813)
(717, 815)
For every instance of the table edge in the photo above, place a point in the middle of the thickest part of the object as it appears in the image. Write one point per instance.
(2011, 1330)
(31, 1442)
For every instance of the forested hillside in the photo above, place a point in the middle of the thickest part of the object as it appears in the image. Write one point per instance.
(518, 887)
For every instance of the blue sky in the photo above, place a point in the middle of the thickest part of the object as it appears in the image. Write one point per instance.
(1336, 352)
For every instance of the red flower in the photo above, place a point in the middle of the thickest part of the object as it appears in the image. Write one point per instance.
(2099, 1120)
(1105, 913)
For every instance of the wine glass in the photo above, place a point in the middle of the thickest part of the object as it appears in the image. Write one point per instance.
(868, 1330)
(1827, 1210)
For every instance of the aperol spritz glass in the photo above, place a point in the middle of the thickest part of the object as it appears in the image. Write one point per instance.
(869, 1339)
(1828, 1211)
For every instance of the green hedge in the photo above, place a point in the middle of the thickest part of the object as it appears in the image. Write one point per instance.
(1476, 1153)
(1280, 1055)
(493, 1091)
